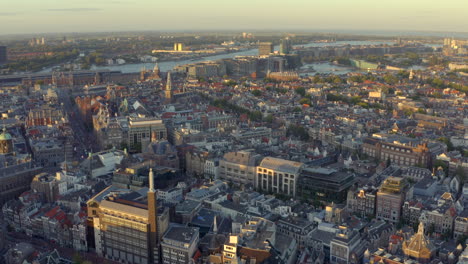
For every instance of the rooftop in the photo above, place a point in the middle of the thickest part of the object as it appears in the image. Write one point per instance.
(281, 165)
(181, 234)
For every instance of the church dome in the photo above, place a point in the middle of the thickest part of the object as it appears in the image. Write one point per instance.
(5, 135)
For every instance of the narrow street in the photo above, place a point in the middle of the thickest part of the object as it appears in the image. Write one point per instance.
(84, 140)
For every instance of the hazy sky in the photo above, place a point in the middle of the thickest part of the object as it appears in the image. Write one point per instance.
(37, 16)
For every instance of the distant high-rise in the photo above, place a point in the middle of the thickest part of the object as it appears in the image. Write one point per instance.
(265, 48)
(178, 46)
(3, 54)
(285, 46)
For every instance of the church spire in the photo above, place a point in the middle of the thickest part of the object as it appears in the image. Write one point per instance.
(169, 82)
(215, 225)
(168, 92)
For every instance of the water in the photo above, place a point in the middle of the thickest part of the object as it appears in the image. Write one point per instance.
(325, 67)
(169, 65)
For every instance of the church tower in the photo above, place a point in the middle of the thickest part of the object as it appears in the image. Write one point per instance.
(97, 79)
(156, 72)
(152, 220)
(6, 142)
(168, 91)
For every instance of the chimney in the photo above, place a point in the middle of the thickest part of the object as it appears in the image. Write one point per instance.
(151, 181)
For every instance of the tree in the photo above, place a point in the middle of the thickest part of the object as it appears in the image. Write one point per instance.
(77, 259)
(138, 147)
(440, 163)
(301, 91)
(123, 145)
(298, 131)
(257, 93)
(255, 116)
(355, 100)
(281, 90)
(408, 112)
(317, 79)
(305, 101)
(269, 118)
(447, 142)
(403, 74)
(230, 83)
(390, 79)
(462, 239)
(337, 80)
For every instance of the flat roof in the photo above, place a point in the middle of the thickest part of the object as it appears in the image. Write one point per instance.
(281, 165)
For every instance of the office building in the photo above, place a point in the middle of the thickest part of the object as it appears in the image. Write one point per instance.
(125, 223)
(179, 244)
(265, 48)
(278, 176)
(239, 167)
(324, 184)
(178, 46)
(285, 46)
(48, 185)
(398, 150)
(346, 247)
(390, 199)
(141, 129)
(3, 54)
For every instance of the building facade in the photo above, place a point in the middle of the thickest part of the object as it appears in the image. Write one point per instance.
(179, 245)
(141, 129)
(400, 154)
(125, 229)
(278, 176)
(238, 167)
(265, 48)
(390, 199)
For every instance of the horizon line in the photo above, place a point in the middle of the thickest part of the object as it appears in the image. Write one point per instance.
(353, 32)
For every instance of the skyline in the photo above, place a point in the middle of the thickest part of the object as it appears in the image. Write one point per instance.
(52, 16)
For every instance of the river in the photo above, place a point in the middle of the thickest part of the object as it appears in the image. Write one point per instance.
(169, 65)
(318, 67)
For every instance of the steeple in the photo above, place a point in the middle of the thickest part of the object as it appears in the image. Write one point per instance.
(97, 78)
(169, 82)
(168, 92)
(421, 228)
(215, 226)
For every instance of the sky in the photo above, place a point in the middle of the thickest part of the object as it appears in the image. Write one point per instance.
(49, 16)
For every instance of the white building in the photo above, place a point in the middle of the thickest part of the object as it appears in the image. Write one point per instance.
(278, 176)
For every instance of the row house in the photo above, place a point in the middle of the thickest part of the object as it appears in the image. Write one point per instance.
(362, 202)
(461, 225)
